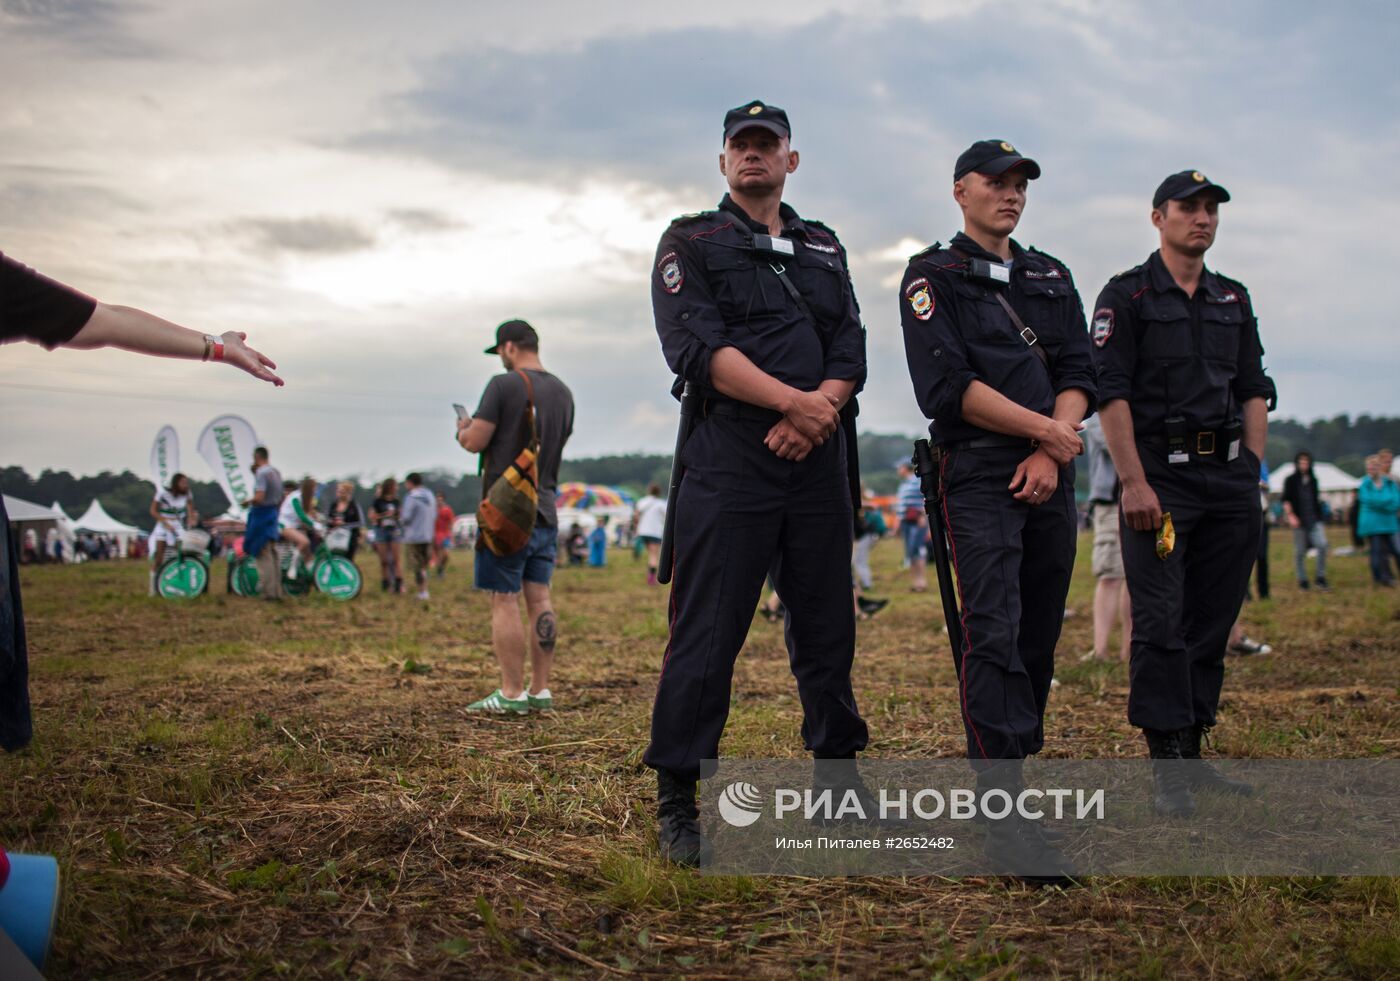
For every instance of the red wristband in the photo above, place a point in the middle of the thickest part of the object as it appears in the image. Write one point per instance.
(218, 354)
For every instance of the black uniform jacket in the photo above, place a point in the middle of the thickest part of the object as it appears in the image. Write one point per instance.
(1168, 354)
(955, 332)
(713, 286)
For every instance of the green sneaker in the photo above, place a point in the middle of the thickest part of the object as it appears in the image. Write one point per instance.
(497, 703)
(543, 702)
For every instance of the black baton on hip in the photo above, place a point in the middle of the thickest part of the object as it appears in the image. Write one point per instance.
(690, 402)
(926, 466)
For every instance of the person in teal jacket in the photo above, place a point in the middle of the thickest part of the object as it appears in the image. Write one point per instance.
(1379, 498)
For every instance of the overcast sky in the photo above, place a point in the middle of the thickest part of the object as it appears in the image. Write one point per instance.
(368, 189)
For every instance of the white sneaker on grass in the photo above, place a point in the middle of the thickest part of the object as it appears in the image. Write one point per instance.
(497, 704)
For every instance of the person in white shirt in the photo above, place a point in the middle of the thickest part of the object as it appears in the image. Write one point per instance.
(651, 524)
(171, 508)
(297, 516)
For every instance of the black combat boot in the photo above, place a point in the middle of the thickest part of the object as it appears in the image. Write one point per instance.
(1173, 790)
(1202, 775)
(678, 833)
(1016, 846)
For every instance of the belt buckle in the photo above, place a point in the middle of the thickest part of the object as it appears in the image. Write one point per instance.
(1205, 444)
(1028, 336)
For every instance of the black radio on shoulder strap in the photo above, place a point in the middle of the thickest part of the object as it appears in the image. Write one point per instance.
(996, 277)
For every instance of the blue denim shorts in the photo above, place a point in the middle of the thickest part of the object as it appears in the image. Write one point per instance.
(914, 536)
(533, 563)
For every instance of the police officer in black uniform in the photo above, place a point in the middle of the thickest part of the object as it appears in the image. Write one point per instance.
(754, 307)
(995, 338)
(1185, 404)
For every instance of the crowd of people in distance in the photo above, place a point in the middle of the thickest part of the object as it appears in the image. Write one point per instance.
(87, 547)
(420, 525)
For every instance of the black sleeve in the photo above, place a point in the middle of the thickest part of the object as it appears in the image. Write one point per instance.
(1114, 333)
(1074, 367)
(687, 317)
(1250, 380)
(845, 357)
(36, 308)
(933, 345)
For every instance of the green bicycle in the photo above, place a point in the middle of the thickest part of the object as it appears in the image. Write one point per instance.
(185, 572)
(330, 570)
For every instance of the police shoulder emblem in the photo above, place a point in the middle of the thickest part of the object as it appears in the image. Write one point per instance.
(1103, 326)
(672, 275)
(920, 297)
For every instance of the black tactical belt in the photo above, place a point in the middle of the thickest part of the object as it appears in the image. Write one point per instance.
(987, 442)
(1207, 444)
(740, 410)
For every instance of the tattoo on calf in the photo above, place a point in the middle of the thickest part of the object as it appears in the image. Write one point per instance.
(546, 631)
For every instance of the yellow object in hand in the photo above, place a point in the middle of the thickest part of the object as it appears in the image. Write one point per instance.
(1166, 537)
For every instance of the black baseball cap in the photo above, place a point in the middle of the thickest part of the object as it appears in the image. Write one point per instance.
(517, 331)
(992, 157)
(1186, 184)
(757, 114)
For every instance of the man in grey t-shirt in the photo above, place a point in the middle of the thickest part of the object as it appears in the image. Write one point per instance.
(262, 530)
(499, 431)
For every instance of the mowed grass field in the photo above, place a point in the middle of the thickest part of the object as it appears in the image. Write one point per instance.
(241, 789)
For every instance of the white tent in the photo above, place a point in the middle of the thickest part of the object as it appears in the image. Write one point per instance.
(99, 522)
(27, 517)
(1330, 479)
(23, 512)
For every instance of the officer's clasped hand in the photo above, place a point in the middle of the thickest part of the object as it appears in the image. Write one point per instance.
(814, 415)
(1037, 476)
(789, 444)
(1061, 440)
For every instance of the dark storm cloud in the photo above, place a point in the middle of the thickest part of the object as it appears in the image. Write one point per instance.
(98, 26)
(887, 104)
(40, 197)
(313, 236)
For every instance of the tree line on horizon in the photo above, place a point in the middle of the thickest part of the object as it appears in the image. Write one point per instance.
(1341, 440)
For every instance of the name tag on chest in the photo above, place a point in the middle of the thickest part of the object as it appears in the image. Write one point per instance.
(774, 246)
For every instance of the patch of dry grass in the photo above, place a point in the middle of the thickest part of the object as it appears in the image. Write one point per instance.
(235, 789)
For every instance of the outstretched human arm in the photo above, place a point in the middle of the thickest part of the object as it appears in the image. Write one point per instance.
(136, 330)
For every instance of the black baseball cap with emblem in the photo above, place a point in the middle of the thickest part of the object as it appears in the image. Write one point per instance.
(993, 157)
(757, 114)
(517, 331)
(1180, 186)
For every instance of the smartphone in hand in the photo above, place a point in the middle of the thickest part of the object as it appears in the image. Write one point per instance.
(460, 409)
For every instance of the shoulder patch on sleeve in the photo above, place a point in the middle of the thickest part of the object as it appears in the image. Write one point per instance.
(672, 273)
(919, 295)
(1102, 328)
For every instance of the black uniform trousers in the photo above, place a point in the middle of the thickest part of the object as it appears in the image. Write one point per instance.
(1184, 605)
(16, 727)
(1013, 562)
(742, 514)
